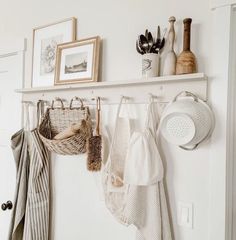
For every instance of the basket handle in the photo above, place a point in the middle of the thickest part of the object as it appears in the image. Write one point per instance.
(77, 99)
(57, 100)
(186, 94)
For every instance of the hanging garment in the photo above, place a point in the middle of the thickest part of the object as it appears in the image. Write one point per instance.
(37, 208)
(112, 173)
(146, 205)
(133, 200)
(21, 156)
(143, 165)
(30, 219)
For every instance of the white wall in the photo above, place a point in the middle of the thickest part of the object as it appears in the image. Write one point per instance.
(78, 213)
(234, 129)
(221, 3)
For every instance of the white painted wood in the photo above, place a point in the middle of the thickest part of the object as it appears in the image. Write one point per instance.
(12, 45)
(231, 138)
(219, 95)
(11, 77)
(165, 88)
(114, 84)
(221, 3)
(187, 172)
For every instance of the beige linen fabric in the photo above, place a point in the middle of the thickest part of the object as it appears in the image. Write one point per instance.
(141, 205)
(30, 218)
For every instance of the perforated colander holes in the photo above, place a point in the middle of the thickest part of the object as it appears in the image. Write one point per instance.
(179, 127)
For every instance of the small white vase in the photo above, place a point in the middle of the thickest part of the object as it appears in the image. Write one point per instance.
(150, 65)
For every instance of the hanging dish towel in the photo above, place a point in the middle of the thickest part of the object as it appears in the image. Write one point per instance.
(30, 219)
(20, 151)
(146, 204)
(37, 208)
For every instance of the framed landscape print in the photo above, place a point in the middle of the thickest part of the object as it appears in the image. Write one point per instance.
(78, 61)
(45, 41)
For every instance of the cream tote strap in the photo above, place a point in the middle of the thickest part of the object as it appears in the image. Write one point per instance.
(153, 121)
(26, 117)
(114, 134)
(116, 122)
(40, 111)
(152, 116)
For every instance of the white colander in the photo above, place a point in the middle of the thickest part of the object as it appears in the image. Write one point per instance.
(187, 121)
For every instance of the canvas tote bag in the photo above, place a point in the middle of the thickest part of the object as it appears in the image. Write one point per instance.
(115, 191)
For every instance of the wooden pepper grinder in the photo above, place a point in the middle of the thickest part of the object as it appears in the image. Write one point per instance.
(186, 62)
(170, 61)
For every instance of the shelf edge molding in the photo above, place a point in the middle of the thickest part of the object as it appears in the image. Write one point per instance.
(114, 84)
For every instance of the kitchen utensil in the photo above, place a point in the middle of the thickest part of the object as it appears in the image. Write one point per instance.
(144, 43)
(170, 61)
(147, 44)
(158, 40)
(94, 147)
(70, 131)
(186, 62)
(146, 33)
(138, 48)
(150, 41)
(140, 44)
(187, 121)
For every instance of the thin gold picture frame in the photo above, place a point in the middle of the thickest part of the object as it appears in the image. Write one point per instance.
(96, 41)
(73, 37)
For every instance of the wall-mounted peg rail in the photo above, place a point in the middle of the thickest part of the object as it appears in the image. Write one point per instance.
(165, 88)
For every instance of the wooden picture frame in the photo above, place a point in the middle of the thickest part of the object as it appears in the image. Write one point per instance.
(45, 41)
(78, 61)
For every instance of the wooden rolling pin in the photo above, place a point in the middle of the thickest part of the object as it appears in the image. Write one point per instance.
(170, 61)
(70, 131)
(186, 62)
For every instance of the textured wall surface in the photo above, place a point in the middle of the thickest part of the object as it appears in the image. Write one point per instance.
(78, 209)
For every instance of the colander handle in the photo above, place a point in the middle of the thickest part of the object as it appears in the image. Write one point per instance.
(190, 148)
(196, 145)
(186, 94)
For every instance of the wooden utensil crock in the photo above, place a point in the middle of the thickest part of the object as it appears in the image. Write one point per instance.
(186, 62)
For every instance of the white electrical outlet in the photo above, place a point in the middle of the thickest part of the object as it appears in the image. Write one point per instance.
(185, 214)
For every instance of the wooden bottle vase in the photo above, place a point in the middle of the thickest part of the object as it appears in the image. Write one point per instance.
(186, 62)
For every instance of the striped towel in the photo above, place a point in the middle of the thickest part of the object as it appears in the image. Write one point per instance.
(30, 219)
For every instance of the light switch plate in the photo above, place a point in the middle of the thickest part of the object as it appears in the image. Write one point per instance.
(185, 214)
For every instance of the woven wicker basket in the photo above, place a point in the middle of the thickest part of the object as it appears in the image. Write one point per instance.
(56, 120)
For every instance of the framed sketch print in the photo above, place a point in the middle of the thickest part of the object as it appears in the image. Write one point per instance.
(77, 61)
(45, 41)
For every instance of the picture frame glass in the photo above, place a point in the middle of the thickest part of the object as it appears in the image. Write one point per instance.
(45, 43)
(77, 62)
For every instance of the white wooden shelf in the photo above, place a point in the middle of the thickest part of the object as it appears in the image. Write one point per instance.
(113, 84)
(165, 87)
